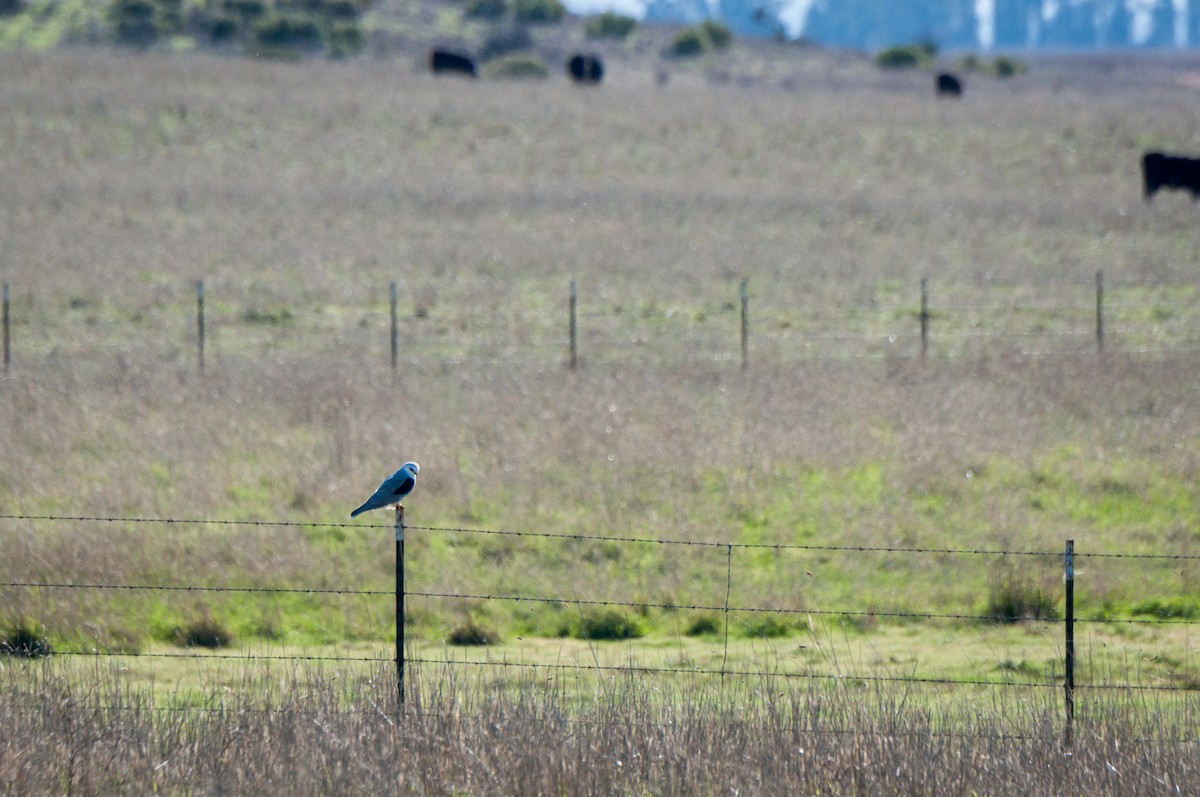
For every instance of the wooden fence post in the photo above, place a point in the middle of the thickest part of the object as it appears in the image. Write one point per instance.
(571, 310)
(7, 338)
(924, 316)
(1100, 311)
(1069, 681)
(200, 324)
(395, 331)
(744, 290)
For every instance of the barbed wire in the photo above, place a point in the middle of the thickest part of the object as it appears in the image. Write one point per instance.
(597, 537)
(420, 709)
(639, 605)
(633, 669)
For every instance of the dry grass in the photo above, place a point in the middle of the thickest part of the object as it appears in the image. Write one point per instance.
(308, 731)
(299, 191)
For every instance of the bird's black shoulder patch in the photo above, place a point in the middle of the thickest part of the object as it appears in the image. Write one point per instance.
(404, 488)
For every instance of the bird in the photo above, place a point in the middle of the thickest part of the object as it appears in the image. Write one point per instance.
(395, 488)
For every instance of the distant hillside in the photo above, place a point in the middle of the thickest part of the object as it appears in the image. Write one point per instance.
(341, 28)
(970, 24)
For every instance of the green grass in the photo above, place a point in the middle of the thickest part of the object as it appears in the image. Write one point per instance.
(136, 176)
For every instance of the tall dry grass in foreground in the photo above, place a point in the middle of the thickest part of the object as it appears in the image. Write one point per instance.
(313, 732)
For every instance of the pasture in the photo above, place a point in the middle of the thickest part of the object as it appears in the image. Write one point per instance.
(867, 508)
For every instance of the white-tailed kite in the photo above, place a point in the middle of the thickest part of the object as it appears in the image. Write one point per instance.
(395, 488)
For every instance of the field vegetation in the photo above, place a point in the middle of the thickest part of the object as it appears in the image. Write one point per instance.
(299, 191)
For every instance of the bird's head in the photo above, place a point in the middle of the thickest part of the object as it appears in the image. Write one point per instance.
(411, 467)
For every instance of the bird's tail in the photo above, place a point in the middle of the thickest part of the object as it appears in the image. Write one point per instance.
(360, 510)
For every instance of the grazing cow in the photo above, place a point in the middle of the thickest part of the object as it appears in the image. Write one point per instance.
(445, 61)
(948, 85)
(1170, 171)
(585, 68)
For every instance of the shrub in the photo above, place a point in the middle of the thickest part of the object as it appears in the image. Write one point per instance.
(1013, 600)
(203, 632)
(688, 42)
(518, 65)
(697, 39)
(1183, 608)
(289, 34)
(702, 624)
(345, 38)
(718, 33)
(609, 26)
(134, 22)
(247, 10)
(486, 9)
(222, 29)
(10, 8)
(608, 624)
(766, 626)
(538, 12)
(906, 57)
(24, 641)
(1006, 66)
(471, 633)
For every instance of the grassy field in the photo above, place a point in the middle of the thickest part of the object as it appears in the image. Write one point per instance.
(299, 191)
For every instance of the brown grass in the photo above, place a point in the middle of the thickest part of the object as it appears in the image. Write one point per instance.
(306, 731)
(299, 191)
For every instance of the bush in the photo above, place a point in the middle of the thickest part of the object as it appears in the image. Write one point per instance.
(486, 9)
(719, 35)
(134, 22)
(10, 8)
(703, 624)
(608, 624)
(1005, 66)
(688, 42)
(697, 39)
(766, 626)
(518, 65)
(471, 633)
(222, 29)
(609, 26)
(1182, 608)
(299, 34)
(538, 12)
(24, 641)
(345, 38)
(1013, 600)
(907, 57)
(246, 10)
(204, 632)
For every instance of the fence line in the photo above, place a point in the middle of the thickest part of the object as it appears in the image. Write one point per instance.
(582, 537)
(580, 335)
(628, 669)
(560, 599)
(1170, 681)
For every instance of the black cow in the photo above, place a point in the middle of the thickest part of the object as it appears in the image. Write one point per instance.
(445, 61)
(585, 68)
(1170, 171)
(948, 85)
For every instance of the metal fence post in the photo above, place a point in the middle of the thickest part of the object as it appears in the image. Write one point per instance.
(1069, 685)
(400, 603)
(745, 295)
